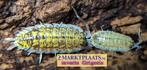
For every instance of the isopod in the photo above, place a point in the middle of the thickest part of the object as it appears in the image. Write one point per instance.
(49, 38)
(113, 41)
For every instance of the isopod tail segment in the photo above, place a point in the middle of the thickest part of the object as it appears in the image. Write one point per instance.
(28, 51)
(88, 33)
(10, 40)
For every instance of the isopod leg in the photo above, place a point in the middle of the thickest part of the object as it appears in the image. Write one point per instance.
(41, 23)
(102, 27)
(11, 47)
(88, 34)
(29, 51)
(40, 58)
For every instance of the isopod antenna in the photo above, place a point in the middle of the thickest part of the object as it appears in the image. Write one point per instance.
(85, 23)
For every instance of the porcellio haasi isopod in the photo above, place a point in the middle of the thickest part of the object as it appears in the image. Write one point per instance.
(113, 41)
(49, 38)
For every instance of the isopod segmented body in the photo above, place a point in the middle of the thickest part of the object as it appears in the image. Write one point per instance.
(49, 38)
(112, 41)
